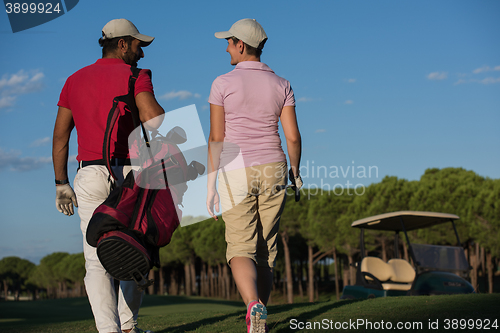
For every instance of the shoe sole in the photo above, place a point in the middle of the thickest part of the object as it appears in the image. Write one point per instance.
(258, 316)
(122, 260)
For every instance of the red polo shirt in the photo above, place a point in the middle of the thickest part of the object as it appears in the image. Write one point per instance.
(89, 94)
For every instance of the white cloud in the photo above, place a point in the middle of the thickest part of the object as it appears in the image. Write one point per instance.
(485, 69)
(490, 80)
(13, 85)
(481, 70)
(460, 81)
(437, 76)
(321, 130)
(348, 102)
(41, 142)
(304, 99)
(351, 80)
(485, 81)
(7, 101)
(12, 161)
(181, 95)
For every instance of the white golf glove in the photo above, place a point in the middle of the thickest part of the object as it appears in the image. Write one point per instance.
(65, 199)
(298, 182)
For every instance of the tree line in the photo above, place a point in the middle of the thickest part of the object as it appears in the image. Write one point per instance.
(317, 246)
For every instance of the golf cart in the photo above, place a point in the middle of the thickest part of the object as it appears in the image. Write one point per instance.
(438, 269)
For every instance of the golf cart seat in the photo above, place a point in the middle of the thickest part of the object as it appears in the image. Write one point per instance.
(403, 274)
(397, 274)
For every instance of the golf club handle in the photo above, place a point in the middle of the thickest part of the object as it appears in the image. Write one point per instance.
(284, 187)
(294, 186)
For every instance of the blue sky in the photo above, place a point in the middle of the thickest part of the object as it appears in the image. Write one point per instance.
(399, 86)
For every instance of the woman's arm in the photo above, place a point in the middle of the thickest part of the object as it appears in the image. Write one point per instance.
(292, 135)
(215, 142)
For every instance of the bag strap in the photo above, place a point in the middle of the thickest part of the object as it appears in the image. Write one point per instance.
(114, 113)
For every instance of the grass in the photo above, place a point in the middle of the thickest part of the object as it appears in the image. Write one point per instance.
(192, 314)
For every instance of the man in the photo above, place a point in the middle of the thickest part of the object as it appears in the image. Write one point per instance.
(246, 106)
(85, 101)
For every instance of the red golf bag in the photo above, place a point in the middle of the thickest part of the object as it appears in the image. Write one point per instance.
(141, 215)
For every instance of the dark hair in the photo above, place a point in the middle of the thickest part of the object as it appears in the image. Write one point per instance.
(250, 50)
(110, 45)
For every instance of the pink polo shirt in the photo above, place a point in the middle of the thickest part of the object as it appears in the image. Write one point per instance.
(253, 96)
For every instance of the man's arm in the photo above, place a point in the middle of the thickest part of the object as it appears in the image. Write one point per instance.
(149, 110)
(65, 196)
(60, 142)
(292, 135)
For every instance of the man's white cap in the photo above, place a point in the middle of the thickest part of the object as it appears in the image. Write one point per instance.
(247, 30)
(122, 28)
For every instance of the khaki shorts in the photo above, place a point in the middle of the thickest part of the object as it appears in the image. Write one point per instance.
(252, 200)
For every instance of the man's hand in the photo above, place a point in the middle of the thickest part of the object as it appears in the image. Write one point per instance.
(65, 199)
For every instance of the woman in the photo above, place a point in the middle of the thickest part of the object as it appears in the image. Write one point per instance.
(246, 105)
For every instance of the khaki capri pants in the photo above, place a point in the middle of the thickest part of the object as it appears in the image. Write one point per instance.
(252, 201)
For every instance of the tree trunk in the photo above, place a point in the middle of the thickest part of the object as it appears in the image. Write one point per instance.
(352, 272)
(310, 278)
(187, 280)
(336, 273)
(474, 262)
(222, 289)
(194, 290)
(203, 280)
(173, 283)
(227, 282)
(151, 276)
(211, 281)
(5, 289)
(384, 251)
(288, 268)
(489, 265)
(316, 291)
(483, 260)
(405, 250)
(161, 278)
(78, 289)
(300, 276)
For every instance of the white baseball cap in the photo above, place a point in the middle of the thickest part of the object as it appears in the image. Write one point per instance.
(248, 30)
(122, 27)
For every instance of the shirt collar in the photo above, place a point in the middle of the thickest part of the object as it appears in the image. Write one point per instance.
(253, 65)
(110, 61)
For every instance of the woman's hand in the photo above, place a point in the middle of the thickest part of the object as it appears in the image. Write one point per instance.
(213, 200)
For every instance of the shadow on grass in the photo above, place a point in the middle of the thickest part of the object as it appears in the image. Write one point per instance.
(239, 316)
(306, 313)
(203, 322)
(177, 300)
(29, 314)
(33, 313)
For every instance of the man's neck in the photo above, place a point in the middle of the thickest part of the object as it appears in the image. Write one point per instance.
(114, 55)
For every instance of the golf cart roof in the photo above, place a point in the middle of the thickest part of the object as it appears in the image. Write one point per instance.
(412, 220)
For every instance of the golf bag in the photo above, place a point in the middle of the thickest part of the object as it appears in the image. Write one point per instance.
(141, 215)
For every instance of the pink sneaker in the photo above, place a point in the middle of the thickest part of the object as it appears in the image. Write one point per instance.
(256, 318)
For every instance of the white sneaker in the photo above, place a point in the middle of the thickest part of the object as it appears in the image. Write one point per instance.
(138, 330)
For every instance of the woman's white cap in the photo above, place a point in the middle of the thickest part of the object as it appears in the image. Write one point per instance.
(247, 30)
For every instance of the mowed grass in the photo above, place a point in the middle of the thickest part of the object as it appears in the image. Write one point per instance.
(192, 314)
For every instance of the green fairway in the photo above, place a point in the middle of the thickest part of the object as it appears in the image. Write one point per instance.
(164, 314)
